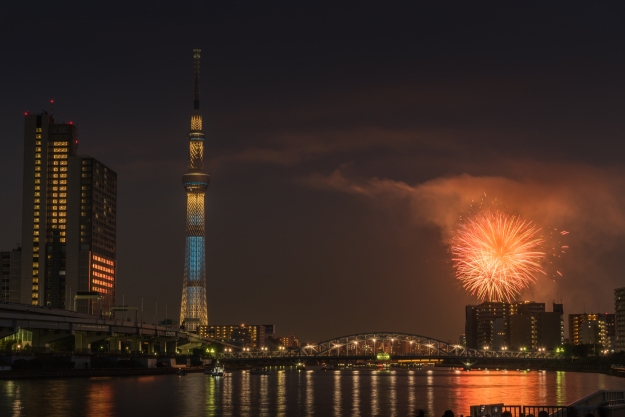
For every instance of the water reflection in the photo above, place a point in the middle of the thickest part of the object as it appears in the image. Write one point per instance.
(244, 397)
(337, 394)
(356, 394)
(411, 394)
(13, 393)
(430, 392)
(310, 395)
(226, 402)
(560, 387)
(542, 381)
(281, 394)
(342, 393)
(211, 408)
(99, 399)
(393, 394)
(374, 394)
(264, 395)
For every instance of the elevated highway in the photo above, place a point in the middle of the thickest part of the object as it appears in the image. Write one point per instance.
(48, 325)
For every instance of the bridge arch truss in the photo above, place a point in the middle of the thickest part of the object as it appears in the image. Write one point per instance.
(399, 344)
(396, 344)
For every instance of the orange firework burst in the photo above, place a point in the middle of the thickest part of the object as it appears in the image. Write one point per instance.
(496, 255)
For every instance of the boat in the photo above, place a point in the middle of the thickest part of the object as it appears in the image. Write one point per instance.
(208, 371)
(218, 371)
(181, 373)
(618, 368)
(259, 371)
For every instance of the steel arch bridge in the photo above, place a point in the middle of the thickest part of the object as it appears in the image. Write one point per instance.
(368, 345)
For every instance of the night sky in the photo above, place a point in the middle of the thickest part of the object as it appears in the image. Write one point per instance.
(344, 141)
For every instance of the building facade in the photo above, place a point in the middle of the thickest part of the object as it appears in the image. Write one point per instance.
(92, 233)
(591, 329)
(515, 326)
(253, 336)
(492, 325)
(619, 326)
(193, 308)
(470, 326)
(10, 275)
(69, 215)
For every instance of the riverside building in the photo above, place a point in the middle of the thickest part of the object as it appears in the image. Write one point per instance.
(513, 326)
(592, 329)
(619, 310)
(254, 336)
(10, 275)
(69, 205)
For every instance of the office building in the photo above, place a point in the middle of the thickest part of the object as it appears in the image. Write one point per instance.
(68, 220)
(10, 275)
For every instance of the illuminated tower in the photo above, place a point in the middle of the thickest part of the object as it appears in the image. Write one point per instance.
(193, 310)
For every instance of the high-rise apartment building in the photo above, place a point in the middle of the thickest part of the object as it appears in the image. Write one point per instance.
(522, 324)
(470, 326)
(91, 244)
(68, 219)
(531, 327)
(619, 326)
(591, 329)
(10, 267)
(492, 325)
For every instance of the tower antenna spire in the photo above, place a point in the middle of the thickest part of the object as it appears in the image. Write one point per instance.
(196, 101)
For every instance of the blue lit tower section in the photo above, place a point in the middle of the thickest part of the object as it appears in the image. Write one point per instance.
(193, 310)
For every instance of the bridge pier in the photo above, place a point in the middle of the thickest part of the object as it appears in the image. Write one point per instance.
(42, 338)
(170, 344)
(135, 344)
(83, 341)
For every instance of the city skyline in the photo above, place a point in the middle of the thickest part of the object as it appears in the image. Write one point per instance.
(342, 157)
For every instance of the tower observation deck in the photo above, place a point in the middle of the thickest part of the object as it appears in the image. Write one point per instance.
(193, 309)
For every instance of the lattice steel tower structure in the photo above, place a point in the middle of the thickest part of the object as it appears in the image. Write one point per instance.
(193, 309)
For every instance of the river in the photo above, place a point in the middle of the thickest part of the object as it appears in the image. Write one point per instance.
(297, 393)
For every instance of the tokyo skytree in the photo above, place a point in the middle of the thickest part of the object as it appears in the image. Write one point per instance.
(193, 309)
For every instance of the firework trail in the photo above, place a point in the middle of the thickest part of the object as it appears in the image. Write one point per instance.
(497, 255)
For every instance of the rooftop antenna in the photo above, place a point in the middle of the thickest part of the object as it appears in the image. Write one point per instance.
(51, 111)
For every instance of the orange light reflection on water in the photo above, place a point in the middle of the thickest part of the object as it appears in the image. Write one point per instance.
(100, 399)
(508, 387)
